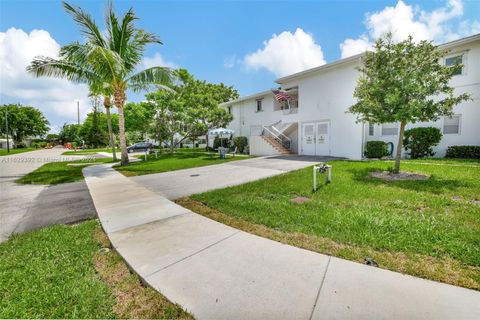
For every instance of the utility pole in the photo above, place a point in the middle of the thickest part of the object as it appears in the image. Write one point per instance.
(78, 112)
(6, 127)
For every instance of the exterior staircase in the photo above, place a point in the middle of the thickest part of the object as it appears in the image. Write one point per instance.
(276, 144)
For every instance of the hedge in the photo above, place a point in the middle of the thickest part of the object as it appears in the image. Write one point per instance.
(468, 152)
(376, 149)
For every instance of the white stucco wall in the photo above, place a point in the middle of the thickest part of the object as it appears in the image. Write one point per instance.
(259, 147)
(468, 82)
(326, 94)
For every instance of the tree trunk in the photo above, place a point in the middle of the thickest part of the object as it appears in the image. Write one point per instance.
(171, 143)
(106, 103)
(206, 139)
(399, 148)
(120, 98)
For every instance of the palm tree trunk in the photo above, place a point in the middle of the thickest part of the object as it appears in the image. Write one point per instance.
(120, 98)
(399, 148)
(106, 103)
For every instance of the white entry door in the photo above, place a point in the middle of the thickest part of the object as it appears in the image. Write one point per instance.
(308, 138)
(316, 138)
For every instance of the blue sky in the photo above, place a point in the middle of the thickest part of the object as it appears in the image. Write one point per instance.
(223, 41)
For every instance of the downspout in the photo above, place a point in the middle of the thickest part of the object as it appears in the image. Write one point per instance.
(363, 141)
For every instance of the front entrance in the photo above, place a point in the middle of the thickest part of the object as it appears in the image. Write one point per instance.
(316, 138)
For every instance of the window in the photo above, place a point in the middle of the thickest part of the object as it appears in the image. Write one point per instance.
(454, 60)
(229, 109)
(371, 129)
(259, 105)
(389, 129)
(451, 125)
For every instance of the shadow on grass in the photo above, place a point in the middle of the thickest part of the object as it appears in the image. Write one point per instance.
(433, 185)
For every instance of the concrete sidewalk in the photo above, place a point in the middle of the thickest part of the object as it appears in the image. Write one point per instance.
(218, 272)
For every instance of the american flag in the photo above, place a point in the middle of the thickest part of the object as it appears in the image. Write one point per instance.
(281, 95)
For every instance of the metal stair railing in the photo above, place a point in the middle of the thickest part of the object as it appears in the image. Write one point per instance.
(272, 132)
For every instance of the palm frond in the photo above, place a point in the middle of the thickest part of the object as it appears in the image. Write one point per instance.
(86, 23)
(107, 64)
(49, 67)
(148, 77)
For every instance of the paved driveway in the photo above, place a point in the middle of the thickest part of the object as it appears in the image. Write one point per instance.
(181, 183)
(27, 207)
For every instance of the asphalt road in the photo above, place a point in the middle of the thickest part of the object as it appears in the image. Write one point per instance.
(29, 207)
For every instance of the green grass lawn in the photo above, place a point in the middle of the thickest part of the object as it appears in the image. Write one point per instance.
(425, 228)
(60, 272)
(59, 172)
(88, 151)
(3, 152)
(181, 159)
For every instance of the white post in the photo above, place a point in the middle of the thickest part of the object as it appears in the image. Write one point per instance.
(146, 151)
(315, 178)
(329, 174)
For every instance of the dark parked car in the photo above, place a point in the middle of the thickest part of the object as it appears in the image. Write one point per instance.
(140, 146)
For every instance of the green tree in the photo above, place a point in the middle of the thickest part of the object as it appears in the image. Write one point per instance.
(23, 122)
(108, 61)
(92, 131)
(169, 114)
(190, 108)
(138, 117)
(404, 82)
(201, 100)
(69, 133)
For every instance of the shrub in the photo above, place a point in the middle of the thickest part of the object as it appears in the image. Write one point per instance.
(219, 142)
(240, 143)
(39, 144)
(376, 149)
(420, 141)
(469, 152)
(21, 145)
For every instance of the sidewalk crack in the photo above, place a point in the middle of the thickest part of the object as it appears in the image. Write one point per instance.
(191, 255)
(320, 288)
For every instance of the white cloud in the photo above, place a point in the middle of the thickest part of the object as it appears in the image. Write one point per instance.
(157, 61)
(56, 98)
(440, 25)
(229, 62)
(287, 53)
(352, 47)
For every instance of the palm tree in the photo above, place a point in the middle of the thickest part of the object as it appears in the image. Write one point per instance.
(71, 69)
(111, 59)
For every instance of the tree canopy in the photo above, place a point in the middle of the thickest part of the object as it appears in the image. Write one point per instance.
(23, 122)
(404, 82)
(190, 108)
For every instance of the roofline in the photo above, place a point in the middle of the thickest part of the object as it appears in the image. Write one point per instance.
(303, 73)
(300, 74)
(319, 68)
(252, 96)
(460, 41)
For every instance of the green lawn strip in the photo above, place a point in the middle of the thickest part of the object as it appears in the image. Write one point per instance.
(434, 218)
(179, 160)
(61, 272)
(49, 274)
(59, 172)
(81, 152)
(3, 152)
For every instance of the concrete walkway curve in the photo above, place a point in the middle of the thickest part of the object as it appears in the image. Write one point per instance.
(218, 272)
